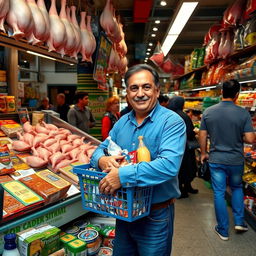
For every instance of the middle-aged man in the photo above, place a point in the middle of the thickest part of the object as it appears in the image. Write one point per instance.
(80, 115)
(164, 134)
(62, 108)
(228, 126)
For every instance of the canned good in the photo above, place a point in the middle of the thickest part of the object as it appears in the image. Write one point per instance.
(3, 106)
(76, 248)
(74, 230)
(81, 224)
(105, 251)
(10, 103)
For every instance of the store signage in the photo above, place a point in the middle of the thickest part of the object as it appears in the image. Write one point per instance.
(56, 217)
(102, 58)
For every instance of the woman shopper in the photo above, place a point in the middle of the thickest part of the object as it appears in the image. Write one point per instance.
(110, 117)
(188, 167)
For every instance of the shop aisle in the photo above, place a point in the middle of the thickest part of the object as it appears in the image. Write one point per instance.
(194, 229)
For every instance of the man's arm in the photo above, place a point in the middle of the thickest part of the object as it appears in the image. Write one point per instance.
(72, 117)
(203, 144)
(249, 137)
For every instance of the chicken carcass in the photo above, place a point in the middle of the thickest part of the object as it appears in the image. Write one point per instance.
(41, 6)
(77, 32)
(4, 8)
(39, 22)
(36, 162)
(57, 39)
(70, 43)
(27, 127)
(20, 19)
(92, 48)
(20, 146)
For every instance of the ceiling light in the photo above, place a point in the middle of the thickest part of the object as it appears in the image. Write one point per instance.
(71, 64)
(163, 3)
(153, 35)
(150, 44)
(148, 53)
(155, 29)
(175, 28)
(149, 49)
(40, 55)
(247, 81)
(157, 21)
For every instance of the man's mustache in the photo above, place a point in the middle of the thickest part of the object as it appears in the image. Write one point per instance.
(144, 98)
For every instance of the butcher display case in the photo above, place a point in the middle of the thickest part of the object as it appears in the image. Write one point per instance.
(57, 213)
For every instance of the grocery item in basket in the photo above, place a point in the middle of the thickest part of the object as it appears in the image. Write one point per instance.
(92, 239)
(143, 154)
(10, 103)
(49, 192)
(76, 248)
(105, 251)
(37, 117)
(22, 193)
(6, 165)
(55, 180)
(23, 115)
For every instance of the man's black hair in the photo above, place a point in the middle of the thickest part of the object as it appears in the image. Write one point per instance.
(137, 68)
(163, 98)
(230, 88)
(80, 95)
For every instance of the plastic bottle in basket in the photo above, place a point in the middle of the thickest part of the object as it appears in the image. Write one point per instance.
(143, 154)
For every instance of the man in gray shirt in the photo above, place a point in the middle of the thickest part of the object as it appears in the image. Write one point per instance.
(80, 116)
(228, 127)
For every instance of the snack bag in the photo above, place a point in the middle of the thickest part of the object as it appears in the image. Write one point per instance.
(158, 56)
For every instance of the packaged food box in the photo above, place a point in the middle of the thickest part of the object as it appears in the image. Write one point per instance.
(64, 240)
(19, 164)
(51, 238)
(68, 171)
(37, 117)
(22, 193)
(10, 127)
(49, 192)
(55, 180)
(30, 242)
(23, 115)
(22, 173)
(6, 165)
(76, 248)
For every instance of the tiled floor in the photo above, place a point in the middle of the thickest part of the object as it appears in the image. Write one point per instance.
(194, 224)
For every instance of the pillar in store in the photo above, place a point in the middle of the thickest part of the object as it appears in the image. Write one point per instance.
(97, 97)
(12, 67)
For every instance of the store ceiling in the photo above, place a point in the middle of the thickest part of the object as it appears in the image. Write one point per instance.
(206, 14)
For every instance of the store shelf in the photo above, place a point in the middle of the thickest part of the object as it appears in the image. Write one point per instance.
(194, 98)
(191, 72)
(57, 215)
(201, 88)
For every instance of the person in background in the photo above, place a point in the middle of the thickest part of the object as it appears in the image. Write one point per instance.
(163, 100)
(45, 105)
(127, 109)
(228, 127)
(110, 117)
(62, 108)
(80, 115)
(188, 167)
(164, 134)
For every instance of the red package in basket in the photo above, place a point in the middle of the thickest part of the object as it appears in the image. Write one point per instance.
(250, 7)
(158, 56)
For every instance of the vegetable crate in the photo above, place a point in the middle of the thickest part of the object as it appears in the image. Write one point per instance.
(128, 204)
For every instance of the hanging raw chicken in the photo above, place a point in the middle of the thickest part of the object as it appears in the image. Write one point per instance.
(122, 65)
(121, 47)
(69, 47)
(91, 50)
(113, 61)
(77, 32)
(4, 8)
(57, 39)
(39, 22)
(41, 6)
(20, 19)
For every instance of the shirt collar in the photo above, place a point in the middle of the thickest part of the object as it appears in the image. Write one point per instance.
(77, 108)
(152, 115)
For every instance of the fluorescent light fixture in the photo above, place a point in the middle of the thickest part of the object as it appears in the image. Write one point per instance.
(204, 88)
(248, 81)
(40, 55)
(155, 29)
(157, 21)
(163, 3)
(153, 35)
(178, 24)
(150, 44)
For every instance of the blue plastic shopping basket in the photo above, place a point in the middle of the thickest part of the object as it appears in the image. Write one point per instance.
(127, 204)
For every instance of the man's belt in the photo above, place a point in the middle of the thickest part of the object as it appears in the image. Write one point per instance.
(162, 205)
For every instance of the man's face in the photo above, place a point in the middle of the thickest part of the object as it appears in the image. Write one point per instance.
(84, 101)
(45, 103)
(142, 92)
(60, 100)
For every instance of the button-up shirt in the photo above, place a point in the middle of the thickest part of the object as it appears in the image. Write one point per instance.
(164, 134)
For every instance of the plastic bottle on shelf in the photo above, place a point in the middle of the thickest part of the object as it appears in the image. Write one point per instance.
(143, 154)
(10, 247)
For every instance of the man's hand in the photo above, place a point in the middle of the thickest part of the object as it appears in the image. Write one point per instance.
(106, 162)
(204, 157)
(110, 183)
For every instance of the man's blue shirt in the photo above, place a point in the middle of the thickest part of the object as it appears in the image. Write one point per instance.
(164, 134)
